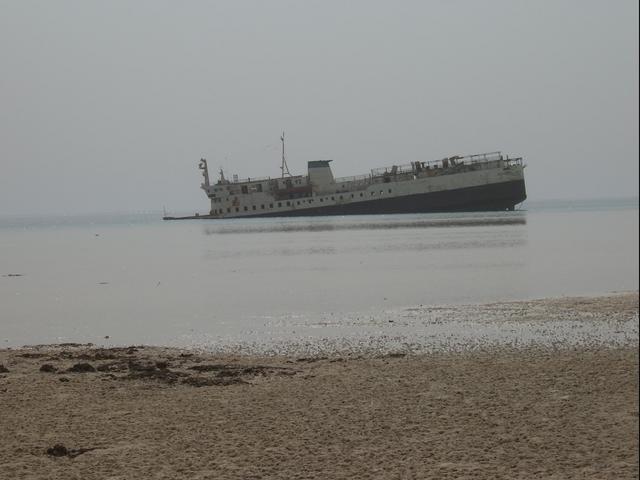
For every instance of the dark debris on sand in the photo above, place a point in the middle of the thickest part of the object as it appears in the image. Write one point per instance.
(60, 450)
(138, 364)
(82, 368)
(209, 381)
(223, 370)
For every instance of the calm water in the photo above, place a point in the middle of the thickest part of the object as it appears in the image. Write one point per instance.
(137, 279)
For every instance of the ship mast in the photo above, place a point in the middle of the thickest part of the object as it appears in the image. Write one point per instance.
(284, 167)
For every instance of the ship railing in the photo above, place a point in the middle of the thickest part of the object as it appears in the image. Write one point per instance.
(353, 179)
(393, 170)
(447, 162)
(512, 161)
(484, 157)
(250, 179)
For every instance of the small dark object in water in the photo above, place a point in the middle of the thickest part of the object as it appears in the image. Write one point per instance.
(14, 275)
(63, 379)
(162, 365)
(48, 368)
(82, 368)
(3, 369)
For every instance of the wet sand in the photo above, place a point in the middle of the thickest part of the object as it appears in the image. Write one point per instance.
(150, 412)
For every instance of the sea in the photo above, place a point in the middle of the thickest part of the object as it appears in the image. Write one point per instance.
(126, 279)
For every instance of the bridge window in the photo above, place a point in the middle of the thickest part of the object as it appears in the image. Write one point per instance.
(253, 207)
(245, 189)
(262, 206)
(246, 208)
(279, 204)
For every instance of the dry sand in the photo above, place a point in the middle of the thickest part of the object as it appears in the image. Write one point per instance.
(150, 412)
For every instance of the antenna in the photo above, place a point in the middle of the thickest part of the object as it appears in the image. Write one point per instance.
(284, 167)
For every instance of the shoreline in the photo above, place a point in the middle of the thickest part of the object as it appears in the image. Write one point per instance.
(607, 319)
(545, 411)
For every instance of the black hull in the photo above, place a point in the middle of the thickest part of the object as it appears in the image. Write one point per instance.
(493, 197)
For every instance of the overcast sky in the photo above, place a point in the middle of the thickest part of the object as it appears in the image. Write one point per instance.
(108, 105)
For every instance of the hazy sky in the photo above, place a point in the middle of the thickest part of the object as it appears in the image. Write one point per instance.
(108, 105)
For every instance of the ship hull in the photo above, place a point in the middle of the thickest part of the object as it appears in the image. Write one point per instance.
(491, 197)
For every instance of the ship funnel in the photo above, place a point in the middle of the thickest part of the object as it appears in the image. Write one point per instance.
(320, 175)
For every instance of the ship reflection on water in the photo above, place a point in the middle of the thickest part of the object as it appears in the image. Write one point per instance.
(389, 238)
(324, 224)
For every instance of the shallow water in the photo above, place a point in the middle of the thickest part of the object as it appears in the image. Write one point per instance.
(137, 279)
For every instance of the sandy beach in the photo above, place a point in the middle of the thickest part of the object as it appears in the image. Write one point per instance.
(566, 411)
